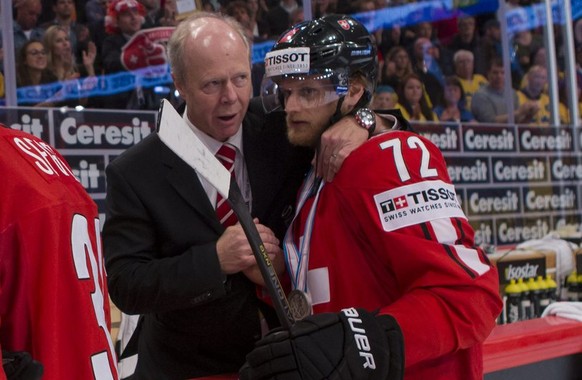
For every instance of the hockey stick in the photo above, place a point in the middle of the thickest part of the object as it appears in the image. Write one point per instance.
(177, 136)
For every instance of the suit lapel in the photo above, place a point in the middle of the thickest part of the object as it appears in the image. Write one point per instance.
(186, 183)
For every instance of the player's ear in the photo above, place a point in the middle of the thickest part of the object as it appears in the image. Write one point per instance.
(356, 89)
(355, 92)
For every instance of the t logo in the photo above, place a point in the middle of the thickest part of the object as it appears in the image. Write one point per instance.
(394, 204)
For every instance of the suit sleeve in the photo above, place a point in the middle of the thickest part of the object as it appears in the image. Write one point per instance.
(446, 289)
(141, 279)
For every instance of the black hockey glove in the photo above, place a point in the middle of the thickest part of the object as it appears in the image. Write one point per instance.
(20, 366)
(350, 345)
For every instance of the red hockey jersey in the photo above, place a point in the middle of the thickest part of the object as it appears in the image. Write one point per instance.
(54, 302)
(389, 234)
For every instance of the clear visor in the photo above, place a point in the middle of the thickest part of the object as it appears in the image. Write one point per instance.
(305, 91)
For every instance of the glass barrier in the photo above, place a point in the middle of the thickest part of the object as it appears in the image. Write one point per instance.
(447, 46)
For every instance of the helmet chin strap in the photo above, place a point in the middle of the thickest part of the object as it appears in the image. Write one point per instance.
(337, 115)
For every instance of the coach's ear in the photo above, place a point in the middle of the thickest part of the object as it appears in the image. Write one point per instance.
(355, 92)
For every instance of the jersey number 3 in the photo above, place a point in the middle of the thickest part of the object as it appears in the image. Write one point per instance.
(413, 142)
(83, 250)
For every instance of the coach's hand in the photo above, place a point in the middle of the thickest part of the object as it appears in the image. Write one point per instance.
(350, 345)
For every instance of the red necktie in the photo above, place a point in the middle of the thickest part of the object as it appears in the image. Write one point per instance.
(226, 155)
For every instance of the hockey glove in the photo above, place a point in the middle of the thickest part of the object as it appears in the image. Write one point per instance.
(20, 366)
(350, 345)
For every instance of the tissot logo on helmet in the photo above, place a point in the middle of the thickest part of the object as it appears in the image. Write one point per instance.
(288, 61)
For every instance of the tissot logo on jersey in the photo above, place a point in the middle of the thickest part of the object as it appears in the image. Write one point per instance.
(417, 203)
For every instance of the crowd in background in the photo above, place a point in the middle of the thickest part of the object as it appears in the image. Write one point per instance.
(432, 71)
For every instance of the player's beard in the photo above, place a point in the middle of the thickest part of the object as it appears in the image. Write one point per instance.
(305, 135)
(304, 128)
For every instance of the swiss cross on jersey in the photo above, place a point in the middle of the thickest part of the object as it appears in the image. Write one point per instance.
(394, 204)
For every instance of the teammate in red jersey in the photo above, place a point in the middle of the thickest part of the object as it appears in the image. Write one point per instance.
(54, 302)
(383, 256)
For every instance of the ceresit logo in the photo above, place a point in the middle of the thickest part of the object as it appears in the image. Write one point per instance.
(417, 203)
(494, 140)
(486, 202)
(73, 133)
(30, 125)
(483, 232)
(549, 199)
(287, 61)
(472, 172)
(445, 140)
(566, 170)
(562, 141)
(509, 232)
(513, 169)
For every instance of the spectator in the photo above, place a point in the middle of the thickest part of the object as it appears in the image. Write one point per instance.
(95, 11)
(425, 65)
(210, 6)
(78, 34)
(54, 303)
(397, 65)
(241, 12)
(61, 62)
(412, 100)
(169, 13)
(367, 14)
(258, 23)
(31, 71)
(389, 39)
(279, 17)
(489, 104)
(471, 82)
(152, 13)
(297, 16)
(453, 106)
(25, 24)
(384, 98)
(440, 53)
(534, 91)
(525, 43)
(61, 58)
(539, 58)
(467, 37)
(489, 46)
(124, 20)
(322, 7)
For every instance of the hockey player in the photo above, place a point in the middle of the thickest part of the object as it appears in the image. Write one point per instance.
(383, 256)
(54, 304)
